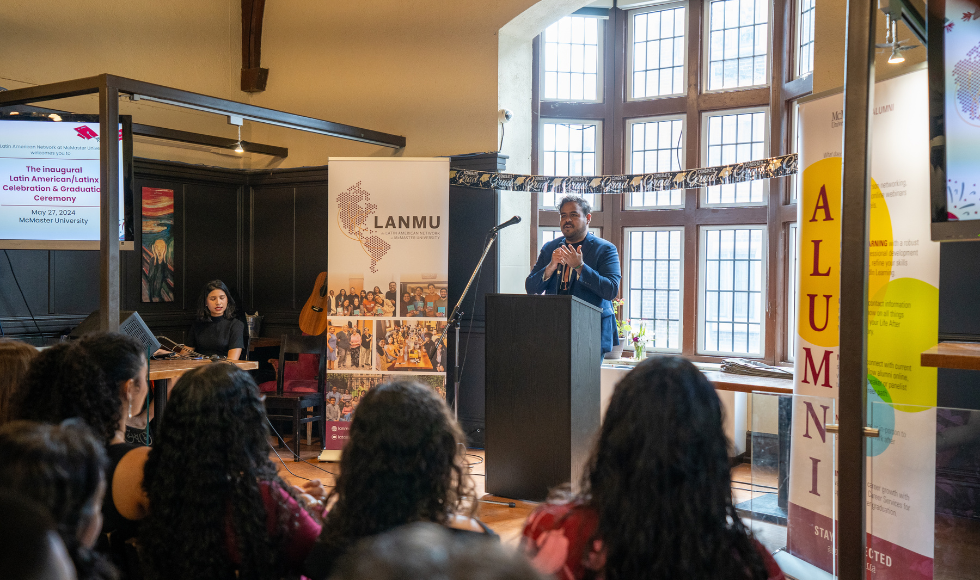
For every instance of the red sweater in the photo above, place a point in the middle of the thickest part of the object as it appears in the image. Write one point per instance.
(556, 540)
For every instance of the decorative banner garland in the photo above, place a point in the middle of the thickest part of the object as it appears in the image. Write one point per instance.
(607, 184)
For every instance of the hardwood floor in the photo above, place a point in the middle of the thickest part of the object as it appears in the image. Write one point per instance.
(506, 521)
(957, 539)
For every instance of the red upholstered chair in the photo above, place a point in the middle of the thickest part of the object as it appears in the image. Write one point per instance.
(298, 396)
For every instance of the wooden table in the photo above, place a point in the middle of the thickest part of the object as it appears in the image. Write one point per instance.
(263, 341)
(166, 371)
(953, 355)
(424, 364)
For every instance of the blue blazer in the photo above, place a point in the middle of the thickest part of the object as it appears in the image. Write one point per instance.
(598, 282)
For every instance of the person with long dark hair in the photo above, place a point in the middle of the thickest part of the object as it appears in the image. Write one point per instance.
(61, 467)
(216, 331)
(219, 506)
(101, 379)
(15, 357)
(30, 547)
(404, 462)
(656, 498)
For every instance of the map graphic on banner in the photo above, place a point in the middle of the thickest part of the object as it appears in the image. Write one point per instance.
(903, 310)
(388, 282)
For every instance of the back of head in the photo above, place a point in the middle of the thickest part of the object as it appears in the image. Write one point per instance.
(659, 480)
(61, 467)
(403, 463)
(211, 451)
(30, 548)
(426, 551)
(81, 379)
(15, 357)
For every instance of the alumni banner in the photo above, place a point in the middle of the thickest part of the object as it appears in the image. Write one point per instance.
(387, 245)
(903, 307)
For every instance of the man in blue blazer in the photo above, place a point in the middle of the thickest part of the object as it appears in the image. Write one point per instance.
(580, 264)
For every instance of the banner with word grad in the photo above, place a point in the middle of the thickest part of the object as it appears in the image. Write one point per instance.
(388, 279)
(903, 310)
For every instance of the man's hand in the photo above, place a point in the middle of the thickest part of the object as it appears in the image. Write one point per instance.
(573, 256)
(557, 258)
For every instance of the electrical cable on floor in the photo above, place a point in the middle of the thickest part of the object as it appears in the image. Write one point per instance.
(278, 436)
(753, 484)
(273, 447)
(23, 297)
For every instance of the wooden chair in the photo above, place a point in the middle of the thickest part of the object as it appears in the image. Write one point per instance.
(300, 401)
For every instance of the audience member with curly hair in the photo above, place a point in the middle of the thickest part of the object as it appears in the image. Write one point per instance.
(15, 357)
(61, 467)
(219, 508)
(655, 499)
(404, 462)
(100, 379)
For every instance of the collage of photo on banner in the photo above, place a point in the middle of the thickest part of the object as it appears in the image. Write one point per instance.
(387, 288)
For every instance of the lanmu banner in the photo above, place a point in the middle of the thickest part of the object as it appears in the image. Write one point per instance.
(388, 254)
(903, 305)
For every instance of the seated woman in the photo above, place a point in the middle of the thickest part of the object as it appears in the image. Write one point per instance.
(15, 356)
(216, 330)
(62, 468)
(219, 507)
(355, 306)
(656, 498)
(100, 379)
(393, 473)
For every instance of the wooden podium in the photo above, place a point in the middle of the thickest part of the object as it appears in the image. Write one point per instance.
(542, 392)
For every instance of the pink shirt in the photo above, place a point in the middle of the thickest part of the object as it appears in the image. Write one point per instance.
(300, 538)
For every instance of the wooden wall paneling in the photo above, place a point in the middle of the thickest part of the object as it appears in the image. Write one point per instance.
(74, 281)
(211, 239)
(312, 210)
(272, 225)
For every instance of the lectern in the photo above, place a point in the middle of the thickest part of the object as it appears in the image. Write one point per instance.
(542, 392)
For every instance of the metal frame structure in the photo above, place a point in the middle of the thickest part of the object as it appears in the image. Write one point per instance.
(109, 87)
(859, 74)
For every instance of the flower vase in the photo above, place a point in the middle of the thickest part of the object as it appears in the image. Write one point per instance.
(638, 348)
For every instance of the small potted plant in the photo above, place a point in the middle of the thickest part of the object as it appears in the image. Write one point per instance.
(622, 328)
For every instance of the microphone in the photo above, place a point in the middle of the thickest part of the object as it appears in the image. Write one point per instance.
(510, 222)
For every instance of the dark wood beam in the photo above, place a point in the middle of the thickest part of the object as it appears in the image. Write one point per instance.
(254, 77)
(207, 140)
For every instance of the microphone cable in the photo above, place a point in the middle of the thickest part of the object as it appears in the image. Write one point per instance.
(278, 436)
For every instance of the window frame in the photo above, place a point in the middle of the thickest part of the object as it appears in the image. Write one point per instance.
(599, 150)
(625, 282)
(628, 158)
(706, 51)
(798, 39)
(705, 115)
(600, 61)
(792, 288)
(597, 232)
(616, 110)
(628, 66)
(763, 307)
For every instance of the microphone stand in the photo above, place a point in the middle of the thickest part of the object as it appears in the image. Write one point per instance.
(457, 315)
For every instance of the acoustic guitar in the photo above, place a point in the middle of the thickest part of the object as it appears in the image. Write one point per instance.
(313, 318)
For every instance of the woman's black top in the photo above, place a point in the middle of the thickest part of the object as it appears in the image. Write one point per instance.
(322, 559)
(217, 335)
(114, 522)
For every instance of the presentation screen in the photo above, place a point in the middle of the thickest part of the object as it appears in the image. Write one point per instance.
(49, 179)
